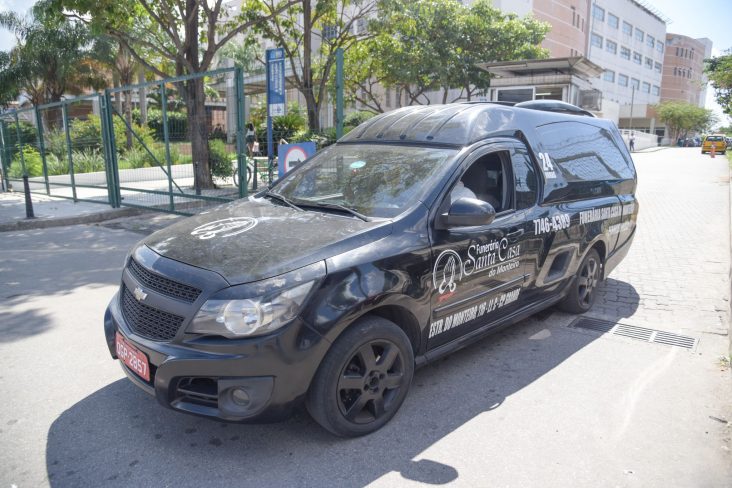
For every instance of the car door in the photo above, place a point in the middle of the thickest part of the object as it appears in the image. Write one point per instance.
(478, 271)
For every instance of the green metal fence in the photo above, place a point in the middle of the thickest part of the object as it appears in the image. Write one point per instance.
(133, 146)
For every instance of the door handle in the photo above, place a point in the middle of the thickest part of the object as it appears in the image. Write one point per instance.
(515, 234)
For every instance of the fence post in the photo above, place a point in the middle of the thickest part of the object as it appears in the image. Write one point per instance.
(108, 136)
(4, 157)
(339, 92)
(65, 114)
(166, 141)
(19, 140)
(240, 143)
(42, 148)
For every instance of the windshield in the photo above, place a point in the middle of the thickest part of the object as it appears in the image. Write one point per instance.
(373, 180)
(714, 138)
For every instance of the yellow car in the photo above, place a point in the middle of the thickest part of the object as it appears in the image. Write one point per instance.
(717, 141)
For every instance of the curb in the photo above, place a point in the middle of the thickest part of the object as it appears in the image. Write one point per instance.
(43, 223)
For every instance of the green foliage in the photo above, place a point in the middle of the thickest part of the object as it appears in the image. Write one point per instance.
(424, 45)
(28, 134)
(681, 118)
(87, 161)
(55, 143)
(56, 166)
(355, 119)
(33, 163)
(719, 71)
(52, 58)
(219, 159)
(135, 158)
(85, 134)
(177, 124)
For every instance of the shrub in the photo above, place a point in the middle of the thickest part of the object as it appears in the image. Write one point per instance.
(55, 165)
(86, 134)
(88, 161)
(133, 159)
(177, 123)
(356, 118)
(218, 159)
(55, 143)
(33, 163)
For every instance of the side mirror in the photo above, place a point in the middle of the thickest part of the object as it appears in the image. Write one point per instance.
(468, 212)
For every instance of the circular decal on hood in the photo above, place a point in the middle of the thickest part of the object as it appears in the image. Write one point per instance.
(224, 227)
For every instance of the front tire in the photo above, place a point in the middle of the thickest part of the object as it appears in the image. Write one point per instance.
(363, 379)
(583, 289)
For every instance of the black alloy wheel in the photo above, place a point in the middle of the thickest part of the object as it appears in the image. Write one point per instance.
(370, 381)
(363, 379)
(583, 290)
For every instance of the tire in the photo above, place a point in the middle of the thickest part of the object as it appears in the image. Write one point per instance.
(363, 379)
(583, 288)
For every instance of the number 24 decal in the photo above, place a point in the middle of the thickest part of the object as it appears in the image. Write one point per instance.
(547, 167)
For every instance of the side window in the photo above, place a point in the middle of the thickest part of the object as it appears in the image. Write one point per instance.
(584, 152)
(487, 179)
(525, 182)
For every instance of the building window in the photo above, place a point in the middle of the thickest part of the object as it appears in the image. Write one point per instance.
(655, 90)
(692, 53)
(330, 32)
(596, 40)
(659, 47)
(635, 83)
(678, 50)
(639, 34)
(657, 66)
(637, 58)
(676, 70)
(611, 46)
(646, 87)
(650, 41)
(688, 73)
(627, 28)
(362, 26)
(598, 13)
(649, 63)
(622, 80)
(624, 52)
(612, 20)
(609, 75)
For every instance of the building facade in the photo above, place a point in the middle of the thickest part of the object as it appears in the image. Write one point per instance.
(683, 69)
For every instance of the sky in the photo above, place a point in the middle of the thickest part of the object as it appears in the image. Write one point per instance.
(695, 18)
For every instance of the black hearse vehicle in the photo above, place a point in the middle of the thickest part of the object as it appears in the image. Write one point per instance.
(420, 231)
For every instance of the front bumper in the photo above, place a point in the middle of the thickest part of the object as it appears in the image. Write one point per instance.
(200, 375)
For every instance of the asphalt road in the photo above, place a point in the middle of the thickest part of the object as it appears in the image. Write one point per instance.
(541, 404)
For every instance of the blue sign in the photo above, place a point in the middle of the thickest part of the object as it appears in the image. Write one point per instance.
(275, 82)
(290, 155)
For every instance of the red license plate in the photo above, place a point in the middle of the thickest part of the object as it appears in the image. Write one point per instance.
(132, 357)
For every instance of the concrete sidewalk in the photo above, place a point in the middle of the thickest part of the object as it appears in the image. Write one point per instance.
(54, 212)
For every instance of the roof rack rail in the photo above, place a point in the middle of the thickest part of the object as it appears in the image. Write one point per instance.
(554, 106)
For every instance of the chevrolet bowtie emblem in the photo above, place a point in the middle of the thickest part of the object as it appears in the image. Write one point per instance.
(140, 294)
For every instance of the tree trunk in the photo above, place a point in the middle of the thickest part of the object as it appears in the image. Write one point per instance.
(307, 71)
(143, 95)
(196, 102)
(444, 94)
(128, 118)
(199, 133)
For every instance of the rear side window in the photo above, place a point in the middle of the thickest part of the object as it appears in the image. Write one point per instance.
(583, 152)
(524, 178)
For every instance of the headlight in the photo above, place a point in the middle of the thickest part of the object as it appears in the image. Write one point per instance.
(250, 316)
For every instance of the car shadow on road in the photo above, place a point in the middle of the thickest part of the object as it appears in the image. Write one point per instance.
(118, 434)
(616, 300)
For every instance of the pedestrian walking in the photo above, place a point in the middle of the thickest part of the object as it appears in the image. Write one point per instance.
(251, 138)
(631, 142)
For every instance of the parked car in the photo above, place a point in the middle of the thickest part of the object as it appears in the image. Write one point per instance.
(422, 230)
(718, 141)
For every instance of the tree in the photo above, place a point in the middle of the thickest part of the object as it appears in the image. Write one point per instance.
(682, 117)
(427, 45)
(51, 58)
(310, 31)
(719, 71)
(183, 36)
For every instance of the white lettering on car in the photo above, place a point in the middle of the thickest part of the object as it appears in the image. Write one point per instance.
(476, 311)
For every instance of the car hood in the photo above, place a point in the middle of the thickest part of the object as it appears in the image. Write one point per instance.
(252, 240)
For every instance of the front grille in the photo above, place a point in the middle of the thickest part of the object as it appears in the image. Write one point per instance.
(200, 391)
(148, 321)
(161, 285)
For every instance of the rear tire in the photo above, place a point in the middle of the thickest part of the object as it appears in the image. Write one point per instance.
(583, 288)
(363, 380)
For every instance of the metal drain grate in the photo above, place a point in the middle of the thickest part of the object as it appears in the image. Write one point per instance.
(635, 332)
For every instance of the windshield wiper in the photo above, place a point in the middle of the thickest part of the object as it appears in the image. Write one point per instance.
(334, 206)
(284, 200)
